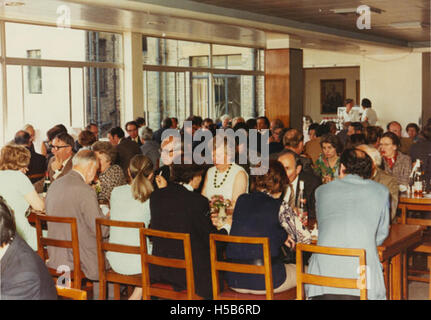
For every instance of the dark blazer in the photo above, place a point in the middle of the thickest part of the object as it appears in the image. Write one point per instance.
(126, 149)
(256, 215)
(177, 209)
(139, 142)
(37, 165)
(311, 182)
(24, 276)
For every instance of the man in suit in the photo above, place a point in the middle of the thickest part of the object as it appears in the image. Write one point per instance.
(37, 165)
(405, 143)
(126, 148)
(71, 196)
(292, 164)
(132, 130)
(61, 163)
(166, 124)
(23, 275)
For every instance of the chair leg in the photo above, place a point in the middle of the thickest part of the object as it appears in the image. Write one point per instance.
(117, 291)
(429, 286)
(102, 290)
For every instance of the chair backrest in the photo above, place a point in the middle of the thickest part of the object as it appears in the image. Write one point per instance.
(348, 283)
(68, 244)
(148, 289)
(217, 265)
(71, 293)
(103, 247)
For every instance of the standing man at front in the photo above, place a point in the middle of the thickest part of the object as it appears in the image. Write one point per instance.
(71, 196)
(61, 163)
(350, 115)
(352, 212)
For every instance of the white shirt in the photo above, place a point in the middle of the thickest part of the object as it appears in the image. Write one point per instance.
(371, 115)
(352, 116)
(3, 250)
(294, 187)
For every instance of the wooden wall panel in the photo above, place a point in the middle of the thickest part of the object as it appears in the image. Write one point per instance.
(426, 87)
(277, 83)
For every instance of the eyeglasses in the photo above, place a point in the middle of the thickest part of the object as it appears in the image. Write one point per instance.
(58, 147)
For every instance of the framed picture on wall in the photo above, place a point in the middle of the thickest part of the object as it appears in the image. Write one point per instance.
(333, 94)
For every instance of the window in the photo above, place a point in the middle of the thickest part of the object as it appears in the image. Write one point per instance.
(34, 73)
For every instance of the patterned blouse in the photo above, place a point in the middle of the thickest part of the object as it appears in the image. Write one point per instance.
(290, 221)
(111, 178)
(324, 169)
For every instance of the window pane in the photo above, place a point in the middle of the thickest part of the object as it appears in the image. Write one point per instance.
(170, 52)
(238, 57)
(200, 94)
(62, 44)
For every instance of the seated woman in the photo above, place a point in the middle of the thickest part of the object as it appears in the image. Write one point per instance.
(257, 215)
(177, 208)
(86, 139)
(111, 175)
(395, 162)
(130, 203)
(328, 164)
(17, 190)
(225, 178)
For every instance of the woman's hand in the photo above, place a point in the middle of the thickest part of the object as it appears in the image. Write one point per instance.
(290, 242)
(161, 182)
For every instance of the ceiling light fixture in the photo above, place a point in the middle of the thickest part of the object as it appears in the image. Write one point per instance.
(14, 3)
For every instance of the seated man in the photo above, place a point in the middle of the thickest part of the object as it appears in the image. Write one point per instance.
(24, 276)
(61, 163)
(149, 147)
(291, 162)
(132, 130)
(405, 143)
(37, 165)
(383, 177)
(126, 148)
(352, 212)
(71, 196)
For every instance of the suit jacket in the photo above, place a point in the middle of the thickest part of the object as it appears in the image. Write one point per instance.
(392, 184)
(37, 165)
(312, 149)
(406, 144)
(24, 276)
(126, 149)
(138, 141)
(64, 171)
(176, 209)
(351, 213)
(311, 182)
(70, 196)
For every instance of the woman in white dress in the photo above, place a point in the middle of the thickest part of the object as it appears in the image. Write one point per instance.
(225, 178)
(17, 190)
(130, 202)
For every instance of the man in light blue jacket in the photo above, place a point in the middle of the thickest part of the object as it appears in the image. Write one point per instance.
(352, 212)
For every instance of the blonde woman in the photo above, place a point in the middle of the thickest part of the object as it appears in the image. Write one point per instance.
(17, 190)
(130, 203)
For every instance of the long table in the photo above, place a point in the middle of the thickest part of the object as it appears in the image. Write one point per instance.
(393, 256)
(409, 203)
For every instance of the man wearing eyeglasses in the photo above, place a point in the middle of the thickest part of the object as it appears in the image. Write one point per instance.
(132, 131)
(62, 149)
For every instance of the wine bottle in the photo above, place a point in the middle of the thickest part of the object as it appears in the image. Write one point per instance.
(46, 184)
(301, 204)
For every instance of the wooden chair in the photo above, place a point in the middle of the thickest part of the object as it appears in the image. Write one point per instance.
(163, 290)
(425, 246)
(77, 275)
(266, 270)
(102, 247)
(306, 278)
(71, 293)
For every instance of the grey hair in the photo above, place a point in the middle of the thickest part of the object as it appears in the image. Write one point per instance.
(372, 152)
(146, 133)
(225, 116)
(83, 158)
(27, 126)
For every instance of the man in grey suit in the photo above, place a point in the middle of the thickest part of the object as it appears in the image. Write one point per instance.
(71, 196)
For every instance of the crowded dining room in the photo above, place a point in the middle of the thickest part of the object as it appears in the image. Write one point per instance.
(215, 150)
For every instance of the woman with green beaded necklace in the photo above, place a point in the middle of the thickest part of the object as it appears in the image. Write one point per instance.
(225, 178)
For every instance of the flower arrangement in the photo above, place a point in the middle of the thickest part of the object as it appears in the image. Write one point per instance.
(218, 202)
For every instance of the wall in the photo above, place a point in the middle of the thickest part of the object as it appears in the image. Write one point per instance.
(393, 82)
(312, 99)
